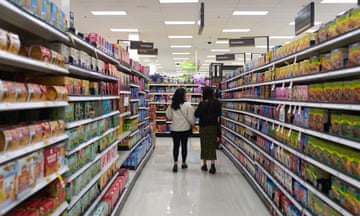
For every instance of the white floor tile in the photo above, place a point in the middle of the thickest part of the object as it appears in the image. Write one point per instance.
(160, 192)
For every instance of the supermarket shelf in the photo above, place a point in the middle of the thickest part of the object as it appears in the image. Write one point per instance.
(252, 180)
(89, 164)
(124, 135)
(138, 143)
(171, 93)
(31, 105)
(94, 180)
(338, 106)
(40, 185)
(141, 123)
(143, 108)
(147, 127)
(60, 209)
(84, 144)
(293, 175)
(130, 184)
(27, 22)
(134, 100)
(10, 155)
(134, 85)
(93, 205)
(161, 112)
(123, 155)
(124, 92)
(91, 98)
(86, 121)
(161, 120)
(336, 42)
(159, 103)
(133, 116)
(239, 149)
(142, 92)
(321, 76)
(83, 45)
(18, 61)
(175, 84)
(123, 68)
(332, 171)
(287, 194)
(89, 74)
(125, 114)
(138, 73)
(134, 132)
(339, 140)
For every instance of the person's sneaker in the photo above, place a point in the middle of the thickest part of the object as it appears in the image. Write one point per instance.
(175, 168)
(204, 168)
(212, 169)
(184, 166)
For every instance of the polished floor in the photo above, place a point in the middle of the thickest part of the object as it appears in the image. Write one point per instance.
(158, 191)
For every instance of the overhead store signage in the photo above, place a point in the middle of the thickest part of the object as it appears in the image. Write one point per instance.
(225, 57)
(201, 21)
(249, 41)
(141, 45)
(188, 66)
(305, 18)
(147, 51)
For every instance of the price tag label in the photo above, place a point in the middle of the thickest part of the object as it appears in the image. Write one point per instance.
(60, 179)
(46, 142)
(283, 85)
(71, 38)
(289, 133)
(295, 59)
(299, 110)
(47, 104)
(289, 111)
(273, 87)
(47, 65)
(294, 110)
(273, 67)
(48, 180)
(299, 137)
(291, 85)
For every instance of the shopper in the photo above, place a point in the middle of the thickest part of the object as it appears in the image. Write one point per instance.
(208, 112)
(182, 115)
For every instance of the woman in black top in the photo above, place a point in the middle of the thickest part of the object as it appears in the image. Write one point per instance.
(208, 112)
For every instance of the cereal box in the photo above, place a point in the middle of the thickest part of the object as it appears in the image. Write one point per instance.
(335, 123)
(354, 54)
(7, 184)
(347, 92)
(50, 160)
(346, 125)
(23, 177)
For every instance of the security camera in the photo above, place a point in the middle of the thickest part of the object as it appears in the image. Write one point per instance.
(209, 42)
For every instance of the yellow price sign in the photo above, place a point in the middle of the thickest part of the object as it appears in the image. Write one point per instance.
(71, 38)
(46, 103)
(46, 142)
(60, 179)
(48, 180)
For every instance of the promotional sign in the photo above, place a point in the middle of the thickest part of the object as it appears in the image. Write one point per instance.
(249, 41)
(305, 18)
(141, 45)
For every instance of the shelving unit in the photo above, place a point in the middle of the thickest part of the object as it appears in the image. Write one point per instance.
(246, 126)
(32, 105)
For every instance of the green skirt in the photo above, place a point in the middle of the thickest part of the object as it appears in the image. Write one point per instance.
(208, 142)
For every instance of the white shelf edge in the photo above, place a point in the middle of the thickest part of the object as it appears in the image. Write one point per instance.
(160, 112)
(93, 205)
(86, 143)
(90, 98)
(134, 100)
(124, 92)
(134, 85)
(143, 108)
(86, 121)
(40, 185)
(293, 175)
(133, 116)
(161, 120)
(123, 155)
(94, 180)
(125, 114)
(141, 123)
(135, 132)
(30, 64)
(10, 155)
(138, 143)
(73, 69)
(60, 209)
(339, 140)
(334, 172)
(254, 182)
(176, 84)
(31, 105)
(159, 103)
(240, 150)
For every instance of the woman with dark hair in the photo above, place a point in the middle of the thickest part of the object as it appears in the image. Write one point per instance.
(182, 115)
(208, 112)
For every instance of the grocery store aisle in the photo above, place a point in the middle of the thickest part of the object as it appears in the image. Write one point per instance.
(158, 191)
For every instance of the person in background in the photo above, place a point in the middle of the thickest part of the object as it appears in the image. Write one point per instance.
(208, 112)
(181, 113)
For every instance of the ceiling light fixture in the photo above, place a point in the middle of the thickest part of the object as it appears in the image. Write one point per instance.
(108, 13)
(250, 13)
(178, 1)
(220, 50)
(179, 22)
(222, 42)
(210, 56)
(179, 36)
(181, 53)
(263, 46)
(124, 30)
(236, 30)
(338, 2)
(180, 46)
(282, 37)
(181, 58)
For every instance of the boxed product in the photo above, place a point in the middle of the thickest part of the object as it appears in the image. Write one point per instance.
(356, 127)
(9, 91)
(23, 177)
(50, 160)
(356, 90)
(37, 166)
(9, 139)
(346, 125)
(354, 54)
(335, 120)
(13, 43)
(347, 92)
(318, 119)
(338, 57)
(21, 92)
(7, 184)
(326, 64)
(34, 92)
(355, 17)
(40, 53)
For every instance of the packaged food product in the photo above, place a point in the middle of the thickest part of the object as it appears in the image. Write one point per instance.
(45, 10)
(40, 53)
(7, 184)
(9, 139)
(61, 124)
(57, 93)
(355, 17)
(10, 92)
(54, 13)
(325, 62)
(323, 33)
(356, 127)
(335, 120)
(46, 129)
(346, 125)
(23, 177)
(354, 54)
(54, 126)
(46, 206)
(24, 133)
(3, 39)
(36, 132)
(337, 88)
(21, 92)
(14, 43)
(37, 166)
(34, 92)
(331, 31)
(356, 90)
(338, 57)
(70, 113)
(73, 56)
(343, 23)
(50, 160)
(61, 49)
(61, 154)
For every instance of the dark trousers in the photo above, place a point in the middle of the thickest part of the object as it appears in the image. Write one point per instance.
(180, 138)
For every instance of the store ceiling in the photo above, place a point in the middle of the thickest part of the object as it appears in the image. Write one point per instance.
(148, 16)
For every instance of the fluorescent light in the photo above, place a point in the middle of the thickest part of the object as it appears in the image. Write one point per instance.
(315, 23)
(250, 13)
(181, 58)
(147, 60)
(263, 46)
(287, 42)
(108, 13)
(179, 22)
(211, 56)
(281, 37)
(158, 64)
(338, 2)
(220, 50)
(179, 36)
(236, 30)
(222, 42)
(209, 61)
(178, 1)
(181, 53)
(180, 46)
(123, 30)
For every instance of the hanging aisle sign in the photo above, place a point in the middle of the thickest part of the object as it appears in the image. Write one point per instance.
(249, 41)
(148, 51)
(141, 45)
(305, 18)
(225, 57)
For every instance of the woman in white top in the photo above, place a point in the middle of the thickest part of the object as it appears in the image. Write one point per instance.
(181, 113)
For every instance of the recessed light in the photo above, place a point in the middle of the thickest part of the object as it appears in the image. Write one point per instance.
(236, 30)
(180, 46)
(179, 36)
(108, 13)
(281, 37)
(123, 30)
(250, 13)
(178, 1)
(220, 50)
(222, 42)
(181, 53)
(179, 22)
(338, 1)
(263, 47)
